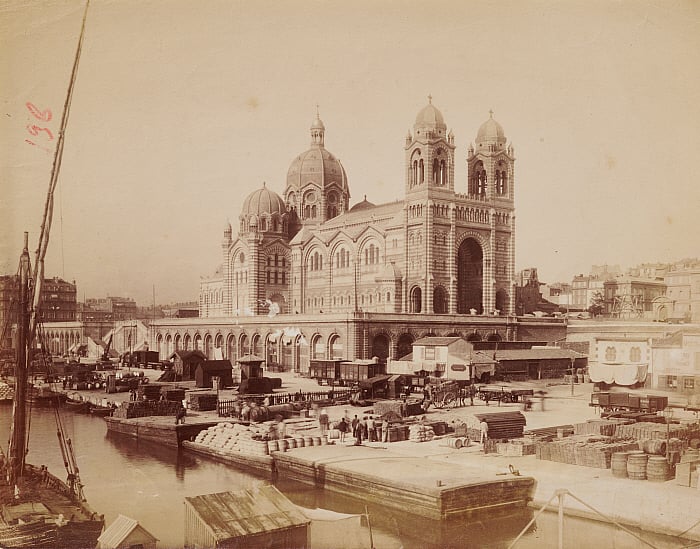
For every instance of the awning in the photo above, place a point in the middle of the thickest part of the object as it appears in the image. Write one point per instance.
(371, 382)
(620, 374)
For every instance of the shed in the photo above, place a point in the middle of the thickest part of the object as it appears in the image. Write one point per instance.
(251, 366)
(256, 517)
(185, 364)
(214, 368)
(125, 533)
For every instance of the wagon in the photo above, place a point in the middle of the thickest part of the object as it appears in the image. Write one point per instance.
(444, 394)
(503, 393)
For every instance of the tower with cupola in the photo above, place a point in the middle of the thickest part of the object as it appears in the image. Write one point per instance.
(429, 191)
(317, 186)
(491, 182)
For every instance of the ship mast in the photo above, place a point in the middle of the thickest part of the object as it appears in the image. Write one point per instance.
(30, 296)
(18, 440)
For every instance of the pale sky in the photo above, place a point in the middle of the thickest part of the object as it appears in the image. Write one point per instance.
(182, 108)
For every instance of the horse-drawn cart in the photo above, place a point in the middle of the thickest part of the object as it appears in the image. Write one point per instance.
(445, 394)
(503, 393)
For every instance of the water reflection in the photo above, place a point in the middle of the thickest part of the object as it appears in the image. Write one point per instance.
(149, 482)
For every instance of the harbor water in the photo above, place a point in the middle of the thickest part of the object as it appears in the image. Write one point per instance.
(149, 482)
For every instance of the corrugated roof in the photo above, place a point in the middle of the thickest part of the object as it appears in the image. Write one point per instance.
(535, 354)
(247, 512)
(119, 530)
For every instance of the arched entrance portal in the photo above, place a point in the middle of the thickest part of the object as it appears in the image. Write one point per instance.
(404, 346)
(416, 300)
(502, 301)
(439, 300)
(470, 272)
(380, 348)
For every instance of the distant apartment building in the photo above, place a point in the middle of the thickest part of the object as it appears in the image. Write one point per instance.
(676, 362)
(528, 294)
(120, 308)
(628, 296)
(58, 303)
(682, 301)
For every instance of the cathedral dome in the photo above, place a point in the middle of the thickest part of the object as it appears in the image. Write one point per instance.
(430, 117)
(364, 205)
(319, 166)
(263, 201)
(490, 132)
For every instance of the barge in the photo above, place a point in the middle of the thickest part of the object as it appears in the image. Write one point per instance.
(160, 429)
(429, 489)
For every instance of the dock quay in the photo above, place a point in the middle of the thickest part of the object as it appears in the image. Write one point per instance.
(261, 465)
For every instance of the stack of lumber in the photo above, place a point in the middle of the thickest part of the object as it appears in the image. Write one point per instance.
(546, 434)
(173, 393)
(584, 450)
(145, 408)
(520, 447)
(149, 391)
(646, 430)
(605, 427)
(397, 407)
(420, 433)
(202, 402)
(6, 392)
(502, 425)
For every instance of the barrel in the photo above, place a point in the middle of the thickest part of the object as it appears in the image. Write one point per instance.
(291, 443)
(454, 443)
(282, 445)
(324, 440)
(272, 446)
(299, 442)
(637, 465)
(317, 441)
(466, 442)
(308, 441)
(654, 446)
(618, 464)
(658, 469)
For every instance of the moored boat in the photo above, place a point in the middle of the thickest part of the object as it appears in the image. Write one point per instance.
(37, 509)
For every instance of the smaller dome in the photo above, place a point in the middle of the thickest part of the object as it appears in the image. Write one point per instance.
(317, 124)
(263, 201)
(491, 132)
(364, 205)
(430, 117)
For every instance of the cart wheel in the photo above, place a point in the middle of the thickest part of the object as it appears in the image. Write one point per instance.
(481, 395)
(450, 399)
(439, 403)
(505, 397)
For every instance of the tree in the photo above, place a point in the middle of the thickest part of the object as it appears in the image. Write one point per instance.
(597, 304)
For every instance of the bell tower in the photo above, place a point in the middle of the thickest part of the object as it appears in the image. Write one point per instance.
(429, 153)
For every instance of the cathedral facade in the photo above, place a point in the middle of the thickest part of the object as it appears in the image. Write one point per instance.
(445, 248)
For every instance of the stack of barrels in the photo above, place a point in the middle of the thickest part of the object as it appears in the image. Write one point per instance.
(638, 465)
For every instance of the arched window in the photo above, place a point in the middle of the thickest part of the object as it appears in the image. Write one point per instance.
(635, 354)
(610, 354)
(421, 170)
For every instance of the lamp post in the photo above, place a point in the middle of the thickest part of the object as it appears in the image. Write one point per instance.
(572, 375)
(668, 415)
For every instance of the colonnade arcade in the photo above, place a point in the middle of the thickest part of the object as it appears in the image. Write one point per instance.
(60, 342)
(292, 351)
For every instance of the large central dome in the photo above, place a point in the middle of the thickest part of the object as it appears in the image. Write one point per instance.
(317, 165)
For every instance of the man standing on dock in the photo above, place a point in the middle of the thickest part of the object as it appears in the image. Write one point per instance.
(323, 421)
(484, 428)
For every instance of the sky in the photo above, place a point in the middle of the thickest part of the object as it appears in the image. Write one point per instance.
(181, 109)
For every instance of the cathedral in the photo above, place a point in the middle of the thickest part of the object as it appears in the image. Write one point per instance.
(443, 249)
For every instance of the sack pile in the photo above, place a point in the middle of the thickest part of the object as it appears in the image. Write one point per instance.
(420, 433)
(234, 437)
